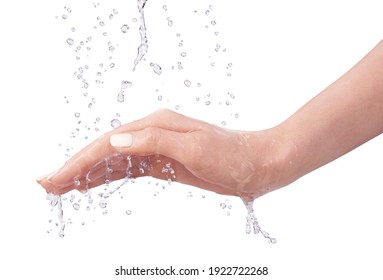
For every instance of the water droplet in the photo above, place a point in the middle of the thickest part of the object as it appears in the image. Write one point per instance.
(183, 54)
(126, 84)
(124, 28)
(115, 123)
(128, 212)
(165, 8)
(222, 205)
(170, 22)
(115, 12)
(73, 29)
(156, 68)
(103, 204)
(102, 23)
(77, 115)
(213, 22)
(207, 103)
(76, 206)
(70, 41)
(159, 97)
(187, 83)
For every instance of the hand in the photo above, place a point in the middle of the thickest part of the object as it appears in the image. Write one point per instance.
(227, 162)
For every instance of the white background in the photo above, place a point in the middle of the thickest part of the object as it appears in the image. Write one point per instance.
(328, 224)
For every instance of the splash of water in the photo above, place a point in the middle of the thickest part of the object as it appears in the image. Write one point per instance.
(143, 47)
(252, 223)
(56, 200)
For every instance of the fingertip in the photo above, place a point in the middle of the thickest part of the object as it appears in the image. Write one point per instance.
(121, 140)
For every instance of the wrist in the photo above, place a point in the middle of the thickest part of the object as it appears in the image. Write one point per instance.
(275, 161)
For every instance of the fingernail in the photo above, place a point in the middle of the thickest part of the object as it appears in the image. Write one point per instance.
(40, 178)
(121, 140)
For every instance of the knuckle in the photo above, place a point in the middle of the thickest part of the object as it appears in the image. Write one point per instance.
(152, 136)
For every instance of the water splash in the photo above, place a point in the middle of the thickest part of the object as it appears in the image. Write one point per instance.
(121, 94)
(252, 223)
(55, 200)
(143, 47)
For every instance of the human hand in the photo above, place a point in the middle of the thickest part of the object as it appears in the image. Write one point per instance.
(245, 164)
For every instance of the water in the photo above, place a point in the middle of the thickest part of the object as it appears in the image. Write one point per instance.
(55, 200)
(121, 94)
(217, 48)
(156, 68)
(252, 224)
(143, 47)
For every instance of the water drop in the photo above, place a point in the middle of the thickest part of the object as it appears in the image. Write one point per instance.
(76, 182)
(187, 83)
(183, 54)
(128, 212)
(77, 115)
(76, 206)
(222, 205)
(70, 41)
(103, 204)
(159, 97)
(126, 84)
(73, 29)
(170, 22)
(165, 8)
(156, 68)
(124, 28)
(115, 123)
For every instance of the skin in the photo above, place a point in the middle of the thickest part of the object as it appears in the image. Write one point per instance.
(249, 164)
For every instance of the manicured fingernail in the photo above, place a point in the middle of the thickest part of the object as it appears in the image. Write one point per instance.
(40, 178)
(121, 140)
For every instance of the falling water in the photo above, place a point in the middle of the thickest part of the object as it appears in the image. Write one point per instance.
(143, 47)
(252, 223)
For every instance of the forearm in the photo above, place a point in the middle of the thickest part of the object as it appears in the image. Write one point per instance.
(345, 115)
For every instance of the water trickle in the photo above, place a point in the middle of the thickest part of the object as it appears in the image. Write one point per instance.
(252, 223)
(56, 200)
(143, 47)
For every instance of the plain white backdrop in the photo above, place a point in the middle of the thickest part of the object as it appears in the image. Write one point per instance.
(328, 223)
